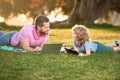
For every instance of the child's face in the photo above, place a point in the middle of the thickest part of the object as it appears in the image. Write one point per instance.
(74, 36)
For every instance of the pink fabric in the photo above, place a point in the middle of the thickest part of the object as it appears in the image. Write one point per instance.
(28, 33)
(35, 34)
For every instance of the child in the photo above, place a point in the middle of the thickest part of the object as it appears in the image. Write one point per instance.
(82, 42)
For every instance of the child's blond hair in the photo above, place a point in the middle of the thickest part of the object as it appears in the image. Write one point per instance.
(82, 33)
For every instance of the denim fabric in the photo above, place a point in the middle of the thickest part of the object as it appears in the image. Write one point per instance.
(103, 48)
(5, 38)
(1, 33)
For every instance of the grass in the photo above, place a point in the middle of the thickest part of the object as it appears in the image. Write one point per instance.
(29, 66)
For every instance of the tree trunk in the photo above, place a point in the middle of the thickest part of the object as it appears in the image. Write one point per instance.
(87, 11)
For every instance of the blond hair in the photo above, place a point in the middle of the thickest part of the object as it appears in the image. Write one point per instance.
(82, 33)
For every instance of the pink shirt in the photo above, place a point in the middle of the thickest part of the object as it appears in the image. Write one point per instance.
(29, 33)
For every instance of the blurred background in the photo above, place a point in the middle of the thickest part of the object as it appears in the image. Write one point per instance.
(22, 12)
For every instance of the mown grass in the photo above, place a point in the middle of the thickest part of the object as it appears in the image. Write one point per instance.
(29, 66)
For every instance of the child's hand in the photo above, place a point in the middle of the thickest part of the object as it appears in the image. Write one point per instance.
(80, 54)
(65, 51)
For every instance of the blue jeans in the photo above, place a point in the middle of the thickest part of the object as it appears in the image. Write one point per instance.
(5, 38)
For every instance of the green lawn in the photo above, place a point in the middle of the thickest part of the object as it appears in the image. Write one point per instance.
(30, 66)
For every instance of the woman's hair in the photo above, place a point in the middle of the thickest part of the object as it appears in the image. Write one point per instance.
(82, 33)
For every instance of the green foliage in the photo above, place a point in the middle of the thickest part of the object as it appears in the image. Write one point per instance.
(29, 66)
(5, 27)
(32, 7)
(68, 7)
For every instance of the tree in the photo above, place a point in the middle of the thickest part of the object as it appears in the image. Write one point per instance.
(87, 11)
(82, 11)
(32, 8)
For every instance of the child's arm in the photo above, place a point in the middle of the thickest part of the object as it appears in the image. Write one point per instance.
(88, 52)
(79, 53)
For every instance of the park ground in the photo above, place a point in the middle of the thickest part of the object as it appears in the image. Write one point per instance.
(29, 66)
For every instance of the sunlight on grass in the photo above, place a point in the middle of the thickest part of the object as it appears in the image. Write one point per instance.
(29, 66)
(104, 36)
(61, 36)
(65, 36)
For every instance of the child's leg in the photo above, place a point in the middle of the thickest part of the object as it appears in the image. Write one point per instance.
(111, 44)
(116, 48)
(117, 43)
(103, 48)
